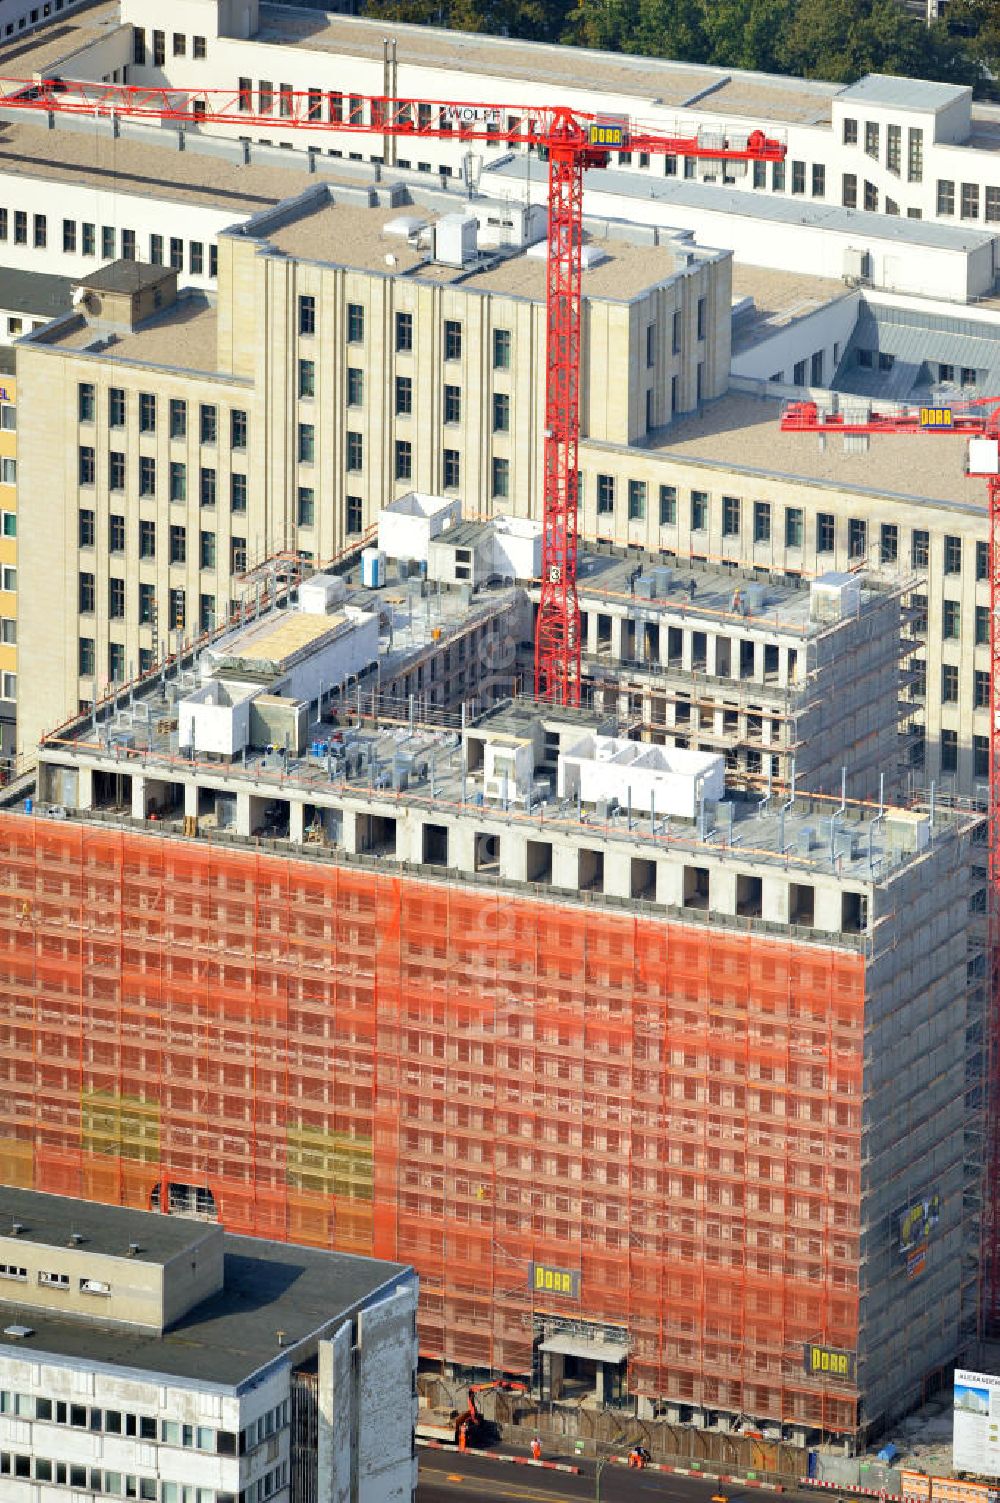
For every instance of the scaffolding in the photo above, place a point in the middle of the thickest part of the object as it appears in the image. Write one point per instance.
(457, 1077)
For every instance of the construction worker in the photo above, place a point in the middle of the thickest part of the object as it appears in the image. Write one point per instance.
(536, 1449)
(463, 1435)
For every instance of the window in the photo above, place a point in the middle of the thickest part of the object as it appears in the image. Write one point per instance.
(501, 349)
(918, 688)
(128, 245)
(180, 44)
(451, 467)
(307, 378)
(404, 459)
(762, 521)
(237, 493)
(702, 306)
(87, 594)
(894, 148)
(650, 346)
(237, 429)
(3, 224)
(699, 511)
(452, 404)
(108, 242)
(949, 751)
(826, 532)
(968, 375)
(159, 49)
(147, 412)
(176, 253)
(307, 443)
(8, 417)
(849, 190)
(20, 227)
(982, 625)
(86, 528)
(86, 402)
(871, 139)
(404, 333)
(404, 396)
(951, 619)
(970, 200)
(945, 197)
(915, 156)
(116, 471)
(760, 174)
(992, 205)
(918, 605)
(501, 412)
(668, 505)
(177, 609)
(178, 481)
(8, 524)
(793, 527)
(116, 599)
(265, 96)
(87, 465)
(8, 578)
(307, 315)
(206, 488)
(199, 48)
(857, 537)
(982, 561)
(946, 372)
(355, 323)
(871, 197)
(246, 95)
(500, 478)
(40, 231)
(730, 516)
(889, 542)
(777, 177)
(147, 475)
(138, 45)
(355, 516)
(196, 258)
(208, 423)
(147, 538)
(355, 451)
(920, 544)
(178, 418)
(949, 684)
(206, 551)
(116, 407)
(178, 544)
(452, 339)
(818, 180)
(306, 506)
(206, 623)
(981, 756)
(116, 533)
(86, 657)
(850, 131)
(637, 500)
(980, 690)
(799, 373)
(798, 177)
(605, 495)
(952, 555)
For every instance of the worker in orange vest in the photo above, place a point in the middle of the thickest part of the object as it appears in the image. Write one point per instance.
(536, 1449)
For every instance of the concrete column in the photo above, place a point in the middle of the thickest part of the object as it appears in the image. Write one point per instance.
(243, 814)
(687, 644)
(618, 873)
(829, 909)
(774, 899)
(591, 642)
(514, 856)
(462, 846)
(191, 799)
(711, 641)
(722, 886)
(349, 831)
(138, 795)
(566, 865)
(296, 821)
(617, 623)
(85, 788)
(670, 883)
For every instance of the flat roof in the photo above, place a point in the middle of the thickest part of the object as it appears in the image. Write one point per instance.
(22, 56)
(514, 61)
(741, 433)
(182, 337)
(276, 639)
(903, 93)
(36, 292)
(127, 276)
(224, 1341)
(108, 1230)
(780, 297)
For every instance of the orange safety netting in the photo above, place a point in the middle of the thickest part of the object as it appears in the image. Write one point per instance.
(457, 1078)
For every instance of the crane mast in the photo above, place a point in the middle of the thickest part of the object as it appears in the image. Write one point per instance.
(574, 140)
(978, 422)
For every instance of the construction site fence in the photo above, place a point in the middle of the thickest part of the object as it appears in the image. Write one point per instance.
(854, 1471)
(603, 1430)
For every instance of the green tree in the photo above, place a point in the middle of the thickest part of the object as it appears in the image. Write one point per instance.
(841, 40)
(747, 33)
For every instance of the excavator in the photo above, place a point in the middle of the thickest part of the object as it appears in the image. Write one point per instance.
(471, 1428)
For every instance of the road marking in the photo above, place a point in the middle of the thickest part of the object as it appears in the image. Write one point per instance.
(496, 1489)
(454, 1477)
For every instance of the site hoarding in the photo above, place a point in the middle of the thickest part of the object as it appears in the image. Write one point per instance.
(976, 1436)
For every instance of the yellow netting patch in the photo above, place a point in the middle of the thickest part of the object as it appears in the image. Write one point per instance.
(120, 1125)
(329, 1163)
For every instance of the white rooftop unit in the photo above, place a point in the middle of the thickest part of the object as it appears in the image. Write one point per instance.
(455, 239)
(834, 596)
(318, 595)
(406, 526)
(609, 769)
(517, 547)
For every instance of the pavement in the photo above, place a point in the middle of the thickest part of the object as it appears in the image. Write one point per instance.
(508, 1474)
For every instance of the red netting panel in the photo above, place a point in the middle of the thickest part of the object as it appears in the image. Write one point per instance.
(458, 1078)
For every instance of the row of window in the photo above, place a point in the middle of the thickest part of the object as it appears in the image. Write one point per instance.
(178, 548)
(158, 39)
(950, 685)
(177, 420)
(969, 201)
(36, 14)
(353, 515)
(118, 669)
(82, 236)
(893, 146)
(118, 1422)
(177, 480)
(176, 613)
(104, 1483)
(404, 338)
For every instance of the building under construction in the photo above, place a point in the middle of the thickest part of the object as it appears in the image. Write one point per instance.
(665, 1081)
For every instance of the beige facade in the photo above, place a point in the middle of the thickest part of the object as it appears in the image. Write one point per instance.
(166, 446)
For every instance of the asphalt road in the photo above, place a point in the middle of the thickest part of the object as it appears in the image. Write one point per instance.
(448, 1475)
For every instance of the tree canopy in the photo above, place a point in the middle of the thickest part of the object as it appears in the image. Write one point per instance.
(837, 40)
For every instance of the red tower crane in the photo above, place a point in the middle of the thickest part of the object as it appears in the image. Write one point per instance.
(978, 422)
(573, 140)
